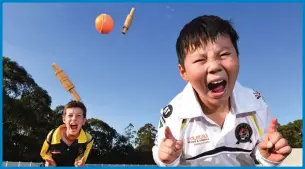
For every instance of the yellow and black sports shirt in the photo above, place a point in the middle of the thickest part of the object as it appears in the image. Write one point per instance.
(54, 147)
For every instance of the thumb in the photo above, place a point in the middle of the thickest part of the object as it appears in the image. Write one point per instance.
(168, 134)
(273, 126)
(265, 144)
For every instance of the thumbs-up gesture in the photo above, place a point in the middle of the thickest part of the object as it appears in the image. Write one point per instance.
(274, 147)
(170, 148)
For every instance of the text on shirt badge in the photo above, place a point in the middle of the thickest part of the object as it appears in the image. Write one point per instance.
(199, 139)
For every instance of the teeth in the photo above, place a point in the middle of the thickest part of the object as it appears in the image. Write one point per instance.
(216, 82)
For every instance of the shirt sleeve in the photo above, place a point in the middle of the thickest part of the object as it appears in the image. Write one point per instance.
(88, 148)
(173, 123)
(45, 147)
(262, 160)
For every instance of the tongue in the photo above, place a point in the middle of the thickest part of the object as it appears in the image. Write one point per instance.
(218, 89)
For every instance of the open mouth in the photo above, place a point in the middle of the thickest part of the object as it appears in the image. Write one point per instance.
(217, 86)
(73, 126)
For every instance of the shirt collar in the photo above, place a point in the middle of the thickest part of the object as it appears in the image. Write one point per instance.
(242, 101)
(82, 138)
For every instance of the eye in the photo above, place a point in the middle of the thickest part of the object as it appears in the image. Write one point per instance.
(224, 55)
(200, 60)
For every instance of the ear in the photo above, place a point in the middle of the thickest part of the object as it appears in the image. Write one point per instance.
(183, 73)
(84, 121)
(63, 118)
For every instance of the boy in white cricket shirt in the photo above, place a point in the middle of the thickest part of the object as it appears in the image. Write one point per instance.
(215, 121)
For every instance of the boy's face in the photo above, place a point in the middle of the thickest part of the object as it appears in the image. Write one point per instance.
(74, 120)
(212, 70)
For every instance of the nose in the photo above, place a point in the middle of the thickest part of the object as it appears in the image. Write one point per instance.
(214, 67)
(74, 117)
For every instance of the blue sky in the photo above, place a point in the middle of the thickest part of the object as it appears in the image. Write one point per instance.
(128, 78)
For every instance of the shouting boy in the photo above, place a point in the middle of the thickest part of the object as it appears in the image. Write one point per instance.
(215, 120)
(69, 144)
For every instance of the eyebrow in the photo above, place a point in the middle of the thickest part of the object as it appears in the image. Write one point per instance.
(204, 55)
(74, 113)
(224, 48)
(217, 51)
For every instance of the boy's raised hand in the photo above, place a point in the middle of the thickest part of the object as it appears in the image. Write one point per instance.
(170, 148)
(274, 147)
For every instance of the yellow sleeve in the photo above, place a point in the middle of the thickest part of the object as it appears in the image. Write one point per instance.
(43, 153)
(88, 148)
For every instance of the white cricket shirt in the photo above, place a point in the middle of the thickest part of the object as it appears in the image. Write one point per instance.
(205, 143)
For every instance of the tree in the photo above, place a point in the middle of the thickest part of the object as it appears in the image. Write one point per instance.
(145, 141)
(145, 137)
(57, 115)
(104, 139)
(292, 132)
(26, 112)
(123, 152)
(130, 134)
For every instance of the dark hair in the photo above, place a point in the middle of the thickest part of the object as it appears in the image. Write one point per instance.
(74, 104)
(201, 30)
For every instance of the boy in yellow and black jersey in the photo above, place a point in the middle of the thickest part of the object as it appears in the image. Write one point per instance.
(69, 144)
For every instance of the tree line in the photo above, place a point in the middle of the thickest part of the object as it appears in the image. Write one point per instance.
(28, 117)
